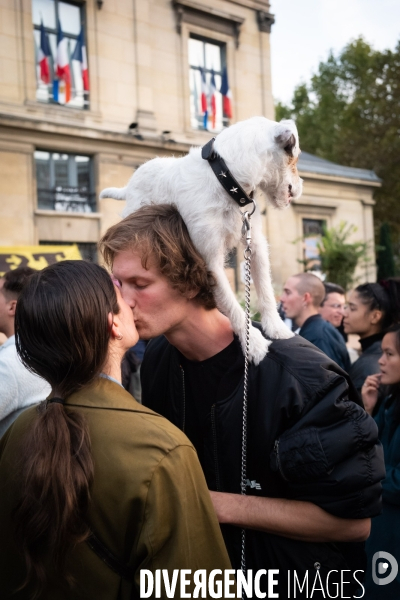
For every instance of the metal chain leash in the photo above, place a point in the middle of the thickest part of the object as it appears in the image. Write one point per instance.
(246, 233)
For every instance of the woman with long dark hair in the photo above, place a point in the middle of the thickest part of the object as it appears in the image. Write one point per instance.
(371, 309)
(93, 486)
(385, 528)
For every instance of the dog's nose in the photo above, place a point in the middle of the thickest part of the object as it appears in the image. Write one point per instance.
(290, 188)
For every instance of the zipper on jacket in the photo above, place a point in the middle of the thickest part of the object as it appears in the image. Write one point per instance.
(184, 400)
(278, 459)
(214, 434)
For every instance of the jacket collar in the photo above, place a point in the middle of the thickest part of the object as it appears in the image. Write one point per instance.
(310, 320)
(106, 394)
(370, 340)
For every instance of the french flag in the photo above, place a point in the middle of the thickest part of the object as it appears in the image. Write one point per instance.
(80, 55)
(213, 91)
(226, 94)
(204, 94)
(43, 53)
(62, 66)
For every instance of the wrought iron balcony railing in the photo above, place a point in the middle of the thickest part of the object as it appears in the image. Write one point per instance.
(67, 199)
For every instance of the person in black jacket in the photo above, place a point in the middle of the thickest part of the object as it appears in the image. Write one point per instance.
(332, 307)
(381, 397)
(371, 309)
(314, 465)
(301, 300)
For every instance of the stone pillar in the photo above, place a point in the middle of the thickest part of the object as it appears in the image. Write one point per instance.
(145, 75)
(265, 21)
(18, 194)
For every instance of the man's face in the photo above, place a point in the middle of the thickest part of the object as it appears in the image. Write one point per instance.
(157, 307)
(292, 301)
(333, 308)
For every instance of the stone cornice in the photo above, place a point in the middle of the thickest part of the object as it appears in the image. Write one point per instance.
(37, 125)
(253, 4)
(265, 21)
(34, 126)
(203, 15)
(340, 179)
(73, 215)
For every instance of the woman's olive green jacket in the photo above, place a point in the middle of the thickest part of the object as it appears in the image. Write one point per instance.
(149, 502)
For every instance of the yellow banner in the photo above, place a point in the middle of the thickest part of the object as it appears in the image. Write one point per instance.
(37, 257)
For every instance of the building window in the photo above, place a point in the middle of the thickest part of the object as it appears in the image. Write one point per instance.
(207, 68)
(64, 182)
(313, 230)
(60, 50)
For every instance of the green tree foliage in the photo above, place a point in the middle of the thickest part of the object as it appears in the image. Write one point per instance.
(385, 260)
(339, 258)
(349, 113)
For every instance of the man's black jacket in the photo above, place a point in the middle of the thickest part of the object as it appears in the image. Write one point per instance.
(308, 439)
(327, 338)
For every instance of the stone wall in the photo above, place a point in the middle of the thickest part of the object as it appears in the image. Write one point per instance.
(138, 69)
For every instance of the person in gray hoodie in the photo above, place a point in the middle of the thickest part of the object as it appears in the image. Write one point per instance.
(19, 388)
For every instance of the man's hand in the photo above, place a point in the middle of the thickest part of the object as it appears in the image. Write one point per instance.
(369, 392)
(290, 518)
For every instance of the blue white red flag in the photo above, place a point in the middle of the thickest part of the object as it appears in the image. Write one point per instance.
(226, 95)
(43, 53)
(62, 66)
(213, 102)
(80, 55)
(204, 95)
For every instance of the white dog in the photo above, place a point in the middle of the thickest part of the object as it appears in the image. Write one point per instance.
(259, 153)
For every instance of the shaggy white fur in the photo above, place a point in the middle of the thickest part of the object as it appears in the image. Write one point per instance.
(260, 154)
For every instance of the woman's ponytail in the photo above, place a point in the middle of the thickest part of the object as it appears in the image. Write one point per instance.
(62, 334)
(56, 474)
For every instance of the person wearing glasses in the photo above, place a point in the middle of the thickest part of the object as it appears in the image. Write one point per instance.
(332, 307)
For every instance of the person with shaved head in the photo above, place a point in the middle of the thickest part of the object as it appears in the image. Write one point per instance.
(302, 297)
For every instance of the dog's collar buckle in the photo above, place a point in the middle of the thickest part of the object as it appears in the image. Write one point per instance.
(224, 176)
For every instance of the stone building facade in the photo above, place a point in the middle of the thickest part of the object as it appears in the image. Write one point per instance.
(146, 61)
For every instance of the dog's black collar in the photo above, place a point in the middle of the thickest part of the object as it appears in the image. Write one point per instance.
(224, 176)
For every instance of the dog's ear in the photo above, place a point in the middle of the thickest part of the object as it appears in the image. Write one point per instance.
(286, 140)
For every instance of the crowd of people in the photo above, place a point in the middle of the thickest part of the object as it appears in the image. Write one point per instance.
(372, 312)
(96, 486)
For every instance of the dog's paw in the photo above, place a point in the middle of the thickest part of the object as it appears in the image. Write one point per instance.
(277, 329)
(258, 346)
